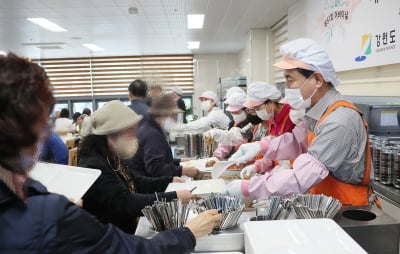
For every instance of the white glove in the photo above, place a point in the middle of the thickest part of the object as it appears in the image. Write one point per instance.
(235, 136)
(216, 134)
(234, 188)
(297, 115)
(246, 153)
(248, 171)
(232, 137)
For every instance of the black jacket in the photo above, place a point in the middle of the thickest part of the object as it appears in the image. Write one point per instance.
(154, 156)
(49, 223)
(181, 105)
(110, 200)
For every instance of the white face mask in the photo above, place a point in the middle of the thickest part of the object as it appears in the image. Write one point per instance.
(206, 105)
(297, 115)
(264, 115)
(238, 118)
(125, 147)
(295, 99)
(169, 124)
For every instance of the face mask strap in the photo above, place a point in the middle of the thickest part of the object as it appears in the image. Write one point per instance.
(305, 82)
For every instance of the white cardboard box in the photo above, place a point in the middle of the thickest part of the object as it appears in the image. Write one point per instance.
(72, 182)
(322, 236)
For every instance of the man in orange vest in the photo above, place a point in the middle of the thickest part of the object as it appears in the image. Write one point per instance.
(337, 162)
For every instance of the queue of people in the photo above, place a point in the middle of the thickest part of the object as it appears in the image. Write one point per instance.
(34, 220)
(309, 140)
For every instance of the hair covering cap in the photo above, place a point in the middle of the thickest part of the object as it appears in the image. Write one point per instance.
(235, 102)
(259, 92)
(307, 54)
(233, 90)
(210, 95)
(177, 89)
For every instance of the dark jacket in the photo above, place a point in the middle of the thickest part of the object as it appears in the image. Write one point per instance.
(54, 150)
(49, 223)
(140, 107)
(154, 156)
(181, 105)
(110, 199)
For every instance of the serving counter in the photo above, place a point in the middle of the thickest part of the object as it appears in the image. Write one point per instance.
(222, 241)
(370, 227)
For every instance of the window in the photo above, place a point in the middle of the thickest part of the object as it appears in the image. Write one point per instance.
(100, 104)
(79, 106)
(58, 106)
(110, 76)
(189, 107)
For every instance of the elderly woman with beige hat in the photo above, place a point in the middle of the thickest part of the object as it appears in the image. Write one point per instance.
(117, 196)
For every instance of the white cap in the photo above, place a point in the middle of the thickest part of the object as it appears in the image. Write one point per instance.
(233, 90)
(235, 102)
(177, 89)
(210, 95)
(307, 54)
(259, 92)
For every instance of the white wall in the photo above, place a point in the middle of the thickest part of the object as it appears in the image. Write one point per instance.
(208, 68)
(256, 56)
(375, 81)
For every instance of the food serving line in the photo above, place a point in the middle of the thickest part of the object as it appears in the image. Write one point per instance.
(371, 228)
(307, 226)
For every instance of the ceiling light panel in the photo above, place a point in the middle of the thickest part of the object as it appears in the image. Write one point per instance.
(93, 47)
(45, 23)
(193, 44)
(195, 21)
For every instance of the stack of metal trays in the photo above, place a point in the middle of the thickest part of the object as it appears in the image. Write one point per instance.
(166, 215)
(274, 208)
(193, 144)
(315, 206)
(231, 208)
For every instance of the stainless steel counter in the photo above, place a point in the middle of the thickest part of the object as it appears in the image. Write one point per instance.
(371, 228)
(227, 240)
(390, 192)
(379, 234)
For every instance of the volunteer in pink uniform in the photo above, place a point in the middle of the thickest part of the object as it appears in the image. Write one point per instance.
(338, 154)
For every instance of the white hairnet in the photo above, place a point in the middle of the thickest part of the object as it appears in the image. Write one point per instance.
(307, 51)
(177, 90)
(236, 99)
(210, 95)
(262, 91)
(233, 90)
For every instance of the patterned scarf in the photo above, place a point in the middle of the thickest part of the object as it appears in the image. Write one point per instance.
(15, 182)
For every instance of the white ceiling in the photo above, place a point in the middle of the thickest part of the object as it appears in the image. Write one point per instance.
(158, 28)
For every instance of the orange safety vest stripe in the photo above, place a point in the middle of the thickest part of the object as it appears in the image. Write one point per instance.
(346, 193)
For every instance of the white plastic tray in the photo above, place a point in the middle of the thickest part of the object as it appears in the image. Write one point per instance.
(204, 187)
(308, 236)
(69, 181)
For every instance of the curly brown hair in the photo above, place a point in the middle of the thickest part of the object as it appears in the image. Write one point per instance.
(26, 100)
